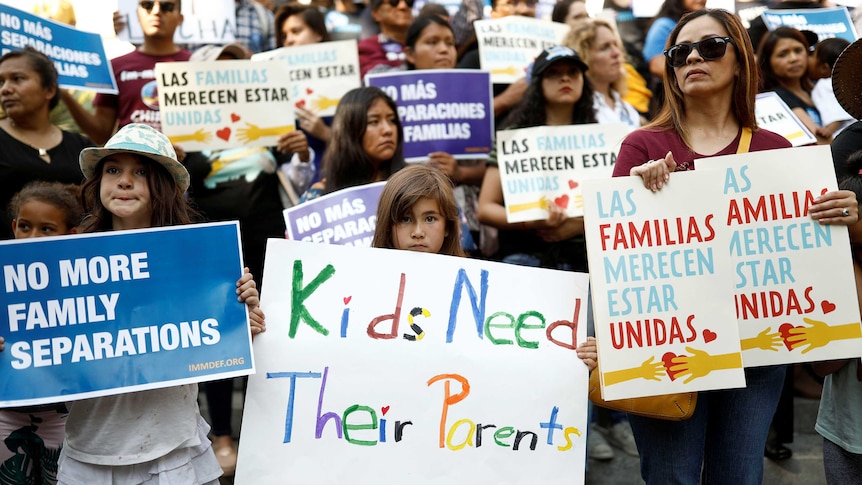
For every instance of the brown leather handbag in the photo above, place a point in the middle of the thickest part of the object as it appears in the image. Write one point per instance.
(671, 407)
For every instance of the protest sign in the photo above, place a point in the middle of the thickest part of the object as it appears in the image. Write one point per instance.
(825, 22)
(650, 8)
(438, 118)
(509, 44)
(78, 56)
(223, 104)
(653, 259)
(793, 277)
(320, 74)
(108, 313)
(346, 217)
(437, 367)
(545, 165)
(204, 22)
(774, 115)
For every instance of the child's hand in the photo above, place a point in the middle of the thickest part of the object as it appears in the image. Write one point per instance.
(247, 290)
(257, 320)
(2, 344)
(588, 352)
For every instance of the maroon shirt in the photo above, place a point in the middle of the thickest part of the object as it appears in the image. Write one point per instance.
(642, 145)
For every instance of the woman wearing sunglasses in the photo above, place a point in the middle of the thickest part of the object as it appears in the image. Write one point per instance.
(710, 82)
(385, 51)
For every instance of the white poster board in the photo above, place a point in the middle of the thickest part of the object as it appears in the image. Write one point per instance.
(546, 164)
(223, 104)
(793, 277)
(437, 367)
(661, 284)
(320, 74)
(774, 115)
(508, 45)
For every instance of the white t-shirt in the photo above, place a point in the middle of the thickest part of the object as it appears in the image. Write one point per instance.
(830, 110)
(622, 111)
(132, 428)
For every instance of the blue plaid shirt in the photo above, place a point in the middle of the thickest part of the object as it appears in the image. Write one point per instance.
(250, 31)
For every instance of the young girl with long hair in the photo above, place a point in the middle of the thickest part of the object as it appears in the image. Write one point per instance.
(158, 436)
(40, 209)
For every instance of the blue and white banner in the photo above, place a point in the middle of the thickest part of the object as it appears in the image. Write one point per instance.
(825, 22)
(109, 313)
(458, 121)
(346, 217)
(79, 56)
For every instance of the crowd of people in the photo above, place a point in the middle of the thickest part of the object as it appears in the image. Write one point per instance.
(685, 83)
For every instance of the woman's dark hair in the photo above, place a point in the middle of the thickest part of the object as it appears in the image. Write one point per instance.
(43, 66)
(561, 10)
(345, 163)
(531, 110)
(169, 205)
(432, 8)
(310, 15)
(673, 9)
(827, 50)
(416, 29)
(65, 197)
(853, 182)
(768, 79)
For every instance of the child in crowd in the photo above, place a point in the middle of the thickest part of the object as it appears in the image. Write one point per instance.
(417, 212)
(33, 436)
(832, 115)
(153, 436)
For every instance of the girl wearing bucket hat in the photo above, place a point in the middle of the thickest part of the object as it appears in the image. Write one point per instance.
(153, 436)
(558, 94)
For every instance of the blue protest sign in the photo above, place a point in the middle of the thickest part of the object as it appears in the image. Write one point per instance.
(79, 56)
(346, 217)
(825, 22)
(99, 314)
(442, 110)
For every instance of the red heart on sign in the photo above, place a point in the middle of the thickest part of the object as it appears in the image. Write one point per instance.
(667, 358)
(384, 409)
(827, 306)
(709, 335)
(224, 134)
(784, 330)
(347, 299)
(234, 117)
(572, 184)
(300, 103)
(308, 90)
(562, 201)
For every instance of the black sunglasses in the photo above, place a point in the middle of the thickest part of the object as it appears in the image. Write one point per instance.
(394, 3)
(710, 49)
(166, 7)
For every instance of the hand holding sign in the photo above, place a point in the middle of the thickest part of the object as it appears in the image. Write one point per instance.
(655, 173)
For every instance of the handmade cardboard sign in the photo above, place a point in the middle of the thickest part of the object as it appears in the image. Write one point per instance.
(434, 366)
(661, 284)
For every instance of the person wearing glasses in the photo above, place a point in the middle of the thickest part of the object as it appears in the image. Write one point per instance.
(137, 98)
(385, 51)
(710, 82)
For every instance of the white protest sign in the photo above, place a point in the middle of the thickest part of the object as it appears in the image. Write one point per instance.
(661, 281)
(774, 115)
(546, 164)
(436, 366)
(320, 74)
(508, 45)
(222, 104)
(793, 277)
(204, 22)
